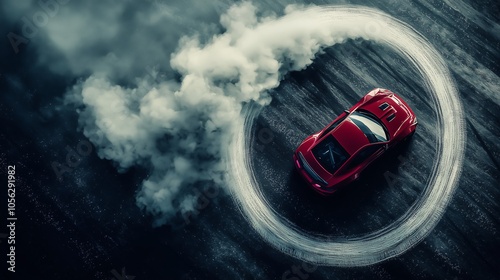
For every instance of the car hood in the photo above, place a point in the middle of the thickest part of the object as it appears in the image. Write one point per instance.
(394, 116)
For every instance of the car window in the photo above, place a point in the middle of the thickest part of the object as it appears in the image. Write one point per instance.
(364, 154)
(330, 154)
(370, 126)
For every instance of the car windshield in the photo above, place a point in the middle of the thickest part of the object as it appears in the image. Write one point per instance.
(330, 154)
(373, 129)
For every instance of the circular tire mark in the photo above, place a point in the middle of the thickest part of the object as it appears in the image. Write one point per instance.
(424, 214)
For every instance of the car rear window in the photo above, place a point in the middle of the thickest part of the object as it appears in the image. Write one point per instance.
(330, 154)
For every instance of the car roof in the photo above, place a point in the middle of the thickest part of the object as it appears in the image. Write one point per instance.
(350, 136)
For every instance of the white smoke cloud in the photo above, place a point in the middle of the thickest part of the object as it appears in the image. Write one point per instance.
(179, 130)
(118, 39)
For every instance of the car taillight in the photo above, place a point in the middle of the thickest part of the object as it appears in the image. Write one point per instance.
(317, 186)
(298, 163)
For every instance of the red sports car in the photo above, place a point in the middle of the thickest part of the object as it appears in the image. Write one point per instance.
(337, 154)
